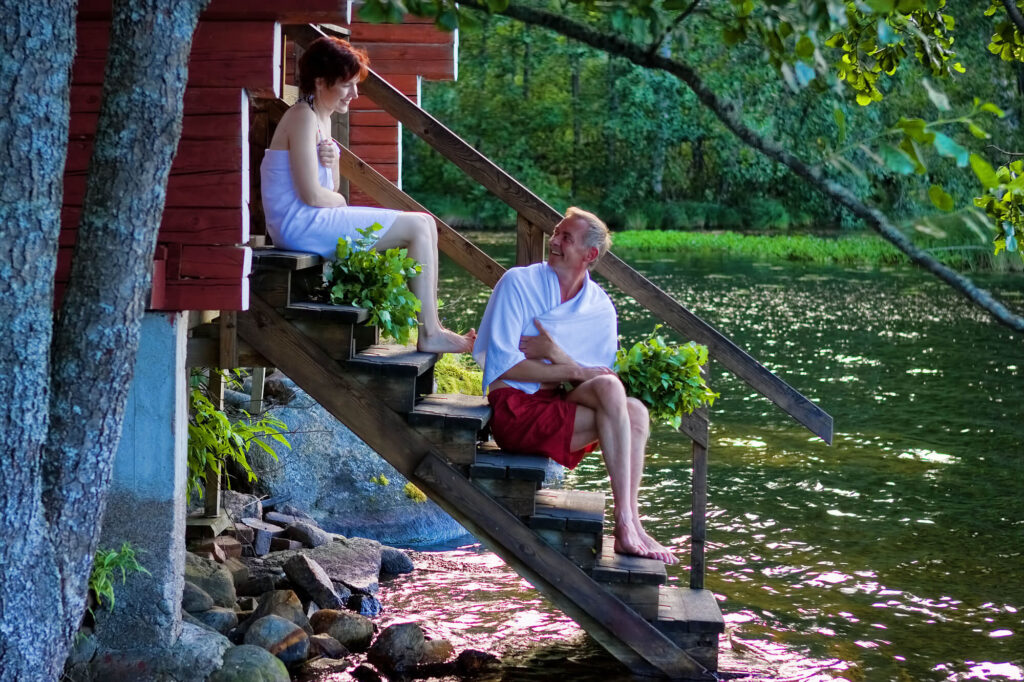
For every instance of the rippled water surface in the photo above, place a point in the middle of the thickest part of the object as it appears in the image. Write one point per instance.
(894, 554)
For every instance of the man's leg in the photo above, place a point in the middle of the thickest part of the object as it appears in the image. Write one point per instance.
(640, 431)
(603, 412)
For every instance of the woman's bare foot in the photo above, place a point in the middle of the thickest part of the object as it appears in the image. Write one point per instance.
(445, 341)
(660, 552)
(631, 539)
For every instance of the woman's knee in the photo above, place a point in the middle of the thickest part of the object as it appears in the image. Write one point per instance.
(639, 417)
(424, 225)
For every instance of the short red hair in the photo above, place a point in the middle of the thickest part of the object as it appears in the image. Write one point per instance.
(332, 59)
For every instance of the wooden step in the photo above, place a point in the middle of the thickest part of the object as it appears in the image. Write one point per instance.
(693, 620)
(634, 580)
(512, 480)
(281, 277)
(340, 330)
(397, 374)
(570, 521)
(452, 422)
(282, 259)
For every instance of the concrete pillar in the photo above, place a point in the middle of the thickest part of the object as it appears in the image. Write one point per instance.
(146, 505)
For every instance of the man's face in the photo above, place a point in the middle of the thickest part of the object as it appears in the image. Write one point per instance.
(566, 250)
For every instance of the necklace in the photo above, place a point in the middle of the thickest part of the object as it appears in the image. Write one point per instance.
(319, 133)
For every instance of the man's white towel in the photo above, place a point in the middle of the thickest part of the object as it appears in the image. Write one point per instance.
(584, 326)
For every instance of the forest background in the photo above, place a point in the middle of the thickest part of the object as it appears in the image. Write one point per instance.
(578, 126)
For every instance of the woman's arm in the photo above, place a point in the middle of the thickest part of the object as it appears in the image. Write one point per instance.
(305, 164)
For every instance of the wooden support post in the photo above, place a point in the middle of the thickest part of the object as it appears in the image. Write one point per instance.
(529, 242)
(699, 504)
(212, 497)
(339, 131)
(228, 340)
(259, 375)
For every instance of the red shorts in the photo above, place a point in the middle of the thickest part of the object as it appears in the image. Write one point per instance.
(538, 423)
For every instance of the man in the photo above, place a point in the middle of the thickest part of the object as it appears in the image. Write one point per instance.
(548, 325)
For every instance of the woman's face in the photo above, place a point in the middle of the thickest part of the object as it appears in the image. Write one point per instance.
(338, 96)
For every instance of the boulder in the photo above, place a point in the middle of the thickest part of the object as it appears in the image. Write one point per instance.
(240, 505)
(350, 629)
(283, 603)
(263, 533)
(249, 663)
(325, 669)
(212, 578)
(436, 651)
(364, 604)
(194, 598)
(308, 534)
(292, 510)
(394, 561)
(354, 562)
(365, 673)
(326, 646)
(398, 648)
(281, 637)
(472, 662)
(309, 578)
(218, 618)
(327, 473)
(257, 585)
(187, 617)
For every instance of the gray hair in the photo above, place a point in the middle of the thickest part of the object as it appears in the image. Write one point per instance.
(597, 234)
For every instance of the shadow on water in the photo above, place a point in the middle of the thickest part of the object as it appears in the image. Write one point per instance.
(895, 554)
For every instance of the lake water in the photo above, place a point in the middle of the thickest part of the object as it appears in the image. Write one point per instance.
(895, 554)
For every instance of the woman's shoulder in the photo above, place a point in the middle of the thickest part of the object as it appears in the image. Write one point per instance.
(295, 123)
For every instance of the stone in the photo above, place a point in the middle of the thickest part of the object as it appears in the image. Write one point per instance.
(243, 533)
(473, 662)
(326, 646)
(238, 570)
(187, 617)
(195, 598)
(309, 578)
(195, 654)
(284, 544)
(248, 603)
(283, 603)
(353, 631)
(239, 506)
(365, 673)
(364, 604)
(343, 592)
(398, 648)
(354, 562)
(212, 578)
(218, 618)
(257, 585)
(263, 533)
(249, 663)
(292, 510)
(308, 534)
(279, 519)
(325, 669)
(395, 561)
(281, 637)
(436, 651)
(327, 473)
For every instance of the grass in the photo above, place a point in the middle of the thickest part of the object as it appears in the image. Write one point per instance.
(458, 374)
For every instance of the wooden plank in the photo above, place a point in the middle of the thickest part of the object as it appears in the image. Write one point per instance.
(453, 244)
(233, 10)
(400, 33)
(198, 101)
(207, 294)
(698, 509)
(688, 610)
(392, 360)
(215, 189)
(413, 54)
(371, 118)
(375, 153)
(258, 384)
(625, 568)
(326, 312)
(695, 425)
(284, 259)
(211, 498)
(363, 135)
(228, 340)
(433, 69)
(529, 242)
(575, 510)
(215, 262)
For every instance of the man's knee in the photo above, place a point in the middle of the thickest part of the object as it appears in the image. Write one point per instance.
(609, 390)
(639, 417)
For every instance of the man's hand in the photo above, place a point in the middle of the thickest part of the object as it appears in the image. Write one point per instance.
(588, 373)
(543, 347)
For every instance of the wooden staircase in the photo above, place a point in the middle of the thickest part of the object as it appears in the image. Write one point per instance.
(556, 539)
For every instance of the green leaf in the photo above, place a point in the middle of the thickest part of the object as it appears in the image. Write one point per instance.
(984, 171)
(373, 12)
(942, 200)
(840, 118)
(897, 160)
(805, 47)
(937, 97)
(948, 147)
(881, 6)
(977, 131)
(992, 109)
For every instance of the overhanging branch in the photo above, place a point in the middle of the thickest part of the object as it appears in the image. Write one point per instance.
(1015, 16)
(726, 113)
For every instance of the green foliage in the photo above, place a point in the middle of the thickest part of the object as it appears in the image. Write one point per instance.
(414, 493)
(458, 373)
(1002, 201)
(106, 565)
(665, 376)
(379, 282)
(1007, 41)
(214, 438)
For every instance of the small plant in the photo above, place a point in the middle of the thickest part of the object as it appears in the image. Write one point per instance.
(380, 479)
(376, 281)
(414, 493)
(213, 438)
(458, 373)
(105, 566)
(665, 376)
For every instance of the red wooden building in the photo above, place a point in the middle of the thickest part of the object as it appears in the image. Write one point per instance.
(240, 56)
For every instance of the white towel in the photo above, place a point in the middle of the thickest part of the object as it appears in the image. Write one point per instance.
(584, 326)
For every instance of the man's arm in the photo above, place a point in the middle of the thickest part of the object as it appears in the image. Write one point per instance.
(559, 366)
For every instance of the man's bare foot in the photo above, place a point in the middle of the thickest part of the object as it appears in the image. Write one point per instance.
(446, 341)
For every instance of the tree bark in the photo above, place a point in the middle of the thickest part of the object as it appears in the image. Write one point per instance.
(1015, 16)
(70, 392)
(727, 113)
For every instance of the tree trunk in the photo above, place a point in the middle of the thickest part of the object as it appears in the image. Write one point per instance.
(70, 410)
(574, 89)
(527, 57)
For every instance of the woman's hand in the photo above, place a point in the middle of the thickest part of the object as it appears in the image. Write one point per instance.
(327, 152)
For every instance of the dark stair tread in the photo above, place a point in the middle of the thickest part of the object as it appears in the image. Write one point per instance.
(392, 360)
(451, 410)
(623, 568)
(288, 260)
(500, 465)
(326, 312)
(572, 510)
(681, 609)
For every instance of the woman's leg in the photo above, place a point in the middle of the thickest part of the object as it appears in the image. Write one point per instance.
(417, 233)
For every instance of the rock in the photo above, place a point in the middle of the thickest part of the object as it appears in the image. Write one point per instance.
(255, 586)
(280, 519)
(308, 534)
(212, 578)
(343, 592)
(218, 618)
(473, 662)
(248, 603)
(365, 673)
(239, 506)
(292, 510)
(327, 473)
(436, 651)
(308, 577)
(398, 648)
(249, 663)
(187, 617)
(354, 562)
(394, 561)
(194, 598)
(243, 533)
(351, 629)
(283, 603)
(364, 604)
(325, 669)
(263, 533)
(280, 544)
(326, 646)
(238, 570)
(281, 637)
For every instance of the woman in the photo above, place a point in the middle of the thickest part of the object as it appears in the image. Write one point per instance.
(300, 179)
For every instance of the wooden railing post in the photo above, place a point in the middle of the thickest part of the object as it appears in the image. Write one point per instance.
(699, 497)
(211, 500)
(529, 242)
